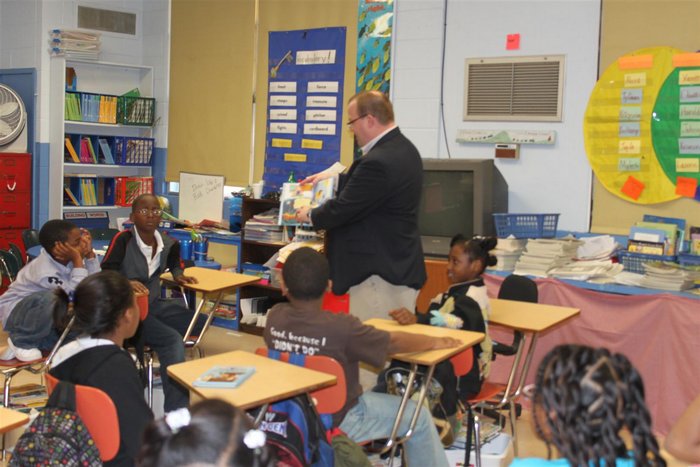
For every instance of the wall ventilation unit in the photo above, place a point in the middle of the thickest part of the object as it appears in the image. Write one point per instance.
(107, 20)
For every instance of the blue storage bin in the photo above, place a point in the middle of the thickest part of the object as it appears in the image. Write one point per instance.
(526, 225)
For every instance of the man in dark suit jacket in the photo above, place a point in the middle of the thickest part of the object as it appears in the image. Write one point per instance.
(374, 246)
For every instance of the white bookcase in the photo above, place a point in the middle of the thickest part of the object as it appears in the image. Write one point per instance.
(99, 78)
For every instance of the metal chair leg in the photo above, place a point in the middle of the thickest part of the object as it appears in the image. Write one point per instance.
(477, 442)
(149, 377)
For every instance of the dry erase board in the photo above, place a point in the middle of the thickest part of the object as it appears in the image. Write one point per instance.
(201, 197)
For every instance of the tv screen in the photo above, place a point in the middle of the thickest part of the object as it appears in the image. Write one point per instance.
(459, 196)
(447, 205)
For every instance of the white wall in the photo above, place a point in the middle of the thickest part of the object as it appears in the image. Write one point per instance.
(546, 178)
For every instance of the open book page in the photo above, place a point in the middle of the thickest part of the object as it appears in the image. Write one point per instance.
(296, 195)
(224, 377)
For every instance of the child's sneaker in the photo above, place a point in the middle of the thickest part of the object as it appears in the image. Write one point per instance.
(25, 355)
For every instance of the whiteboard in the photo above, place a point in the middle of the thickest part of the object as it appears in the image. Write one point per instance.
(201, 197)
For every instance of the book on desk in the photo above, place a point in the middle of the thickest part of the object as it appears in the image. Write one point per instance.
(224, 377)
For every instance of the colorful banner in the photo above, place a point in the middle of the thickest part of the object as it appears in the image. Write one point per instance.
(374, 29)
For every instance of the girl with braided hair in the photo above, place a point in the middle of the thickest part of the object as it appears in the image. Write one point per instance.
(583, 397)
(212, 433)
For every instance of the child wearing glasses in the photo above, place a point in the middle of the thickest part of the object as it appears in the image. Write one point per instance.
(142, 254)
(582, 399)
(26, 307)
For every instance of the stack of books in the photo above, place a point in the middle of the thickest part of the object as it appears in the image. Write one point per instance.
(666, 276)
(507, 252)
(263, 227)
(542, 255)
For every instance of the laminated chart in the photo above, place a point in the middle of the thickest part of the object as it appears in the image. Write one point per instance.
(618, 126)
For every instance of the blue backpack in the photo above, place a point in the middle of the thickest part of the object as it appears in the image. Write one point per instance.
(299, 437)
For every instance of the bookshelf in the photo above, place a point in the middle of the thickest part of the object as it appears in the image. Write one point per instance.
(111, 137)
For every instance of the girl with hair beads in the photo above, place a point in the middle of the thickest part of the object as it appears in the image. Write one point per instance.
(465, 305)
(211, 433)
(583, 397)
(105, 314)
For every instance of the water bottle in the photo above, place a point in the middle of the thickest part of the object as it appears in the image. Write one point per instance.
(234, 217)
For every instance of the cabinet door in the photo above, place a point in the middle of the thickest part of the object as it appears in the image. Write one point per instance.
(8, 236)
(15, 173)
(14, 210)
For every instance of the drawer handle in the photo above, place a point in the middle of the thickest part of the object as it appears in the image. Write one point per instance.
(12, 187)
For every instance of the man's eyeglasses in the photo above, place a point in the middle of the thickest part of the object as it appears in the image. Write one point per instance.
(146, 211)
(350, 122)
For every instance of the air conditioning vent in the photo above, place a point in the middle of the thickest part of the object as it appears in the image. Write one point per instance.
(107, 20)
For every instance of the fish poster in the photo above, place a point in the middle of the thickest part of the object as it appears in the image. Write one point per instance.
(375, 24)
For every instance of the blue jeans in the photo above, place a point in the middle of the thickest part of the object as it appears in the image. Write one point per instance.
(373, 416)
(30, 324)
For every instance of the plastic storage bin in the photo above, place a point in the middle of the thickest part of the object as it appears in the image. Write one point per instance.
(132, 110)
(526, 225)
(634, 262)
(496, 453)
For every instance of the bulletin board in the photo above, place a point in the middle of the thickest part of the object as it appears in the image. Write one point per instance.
(201, 197)
(642, 126)
(305, 106)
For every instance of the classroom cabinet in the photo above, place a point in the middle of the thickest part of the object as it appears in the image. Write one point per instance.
(15, 198)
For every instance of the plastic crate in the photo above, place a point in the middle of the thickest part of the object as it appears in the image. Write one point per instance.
(133, 151)
(133, 110)
(526, 225)
(689, 260)
(634, 262)
(128, 188)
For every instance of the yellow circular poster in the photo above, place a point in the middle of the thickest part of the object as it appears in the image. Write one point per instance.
(617, 126)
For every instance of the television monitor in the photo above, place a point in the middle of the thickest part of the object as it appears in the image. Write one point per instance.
(459, 196)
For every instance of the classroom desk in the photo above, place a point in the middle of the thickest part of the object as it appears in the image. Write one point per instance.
(658, 333)
(272, 381)
(209, 282)
(429, 358)
(11, 419)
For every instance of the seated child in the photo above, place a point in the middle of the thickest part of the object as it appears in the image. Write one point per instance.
(211, 433)
(142, 255)
(683, 441)
(464, 305)
(583, 399)
(106, 313)
(301, 326)
(27, 305)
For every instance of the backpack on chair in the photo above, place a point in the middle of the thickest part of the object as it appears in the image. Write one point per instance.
(57, 436)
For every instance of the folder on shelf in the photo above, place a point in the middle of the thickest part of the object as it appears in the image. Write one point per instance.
(71, 151)
(106, 151)
(70, 195)
(93, 154)
(85, 157)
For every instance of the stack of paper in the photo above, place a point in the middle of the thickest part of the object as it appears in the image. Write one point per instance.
(542, 255)
(598, 270)
(263, 227)
(597, 248)
(507, 252)
(658, 275)
(75, 43)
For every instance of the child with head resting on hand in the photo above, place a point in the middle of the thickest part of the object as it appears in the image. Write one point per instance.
(26, 307)
(211, 433)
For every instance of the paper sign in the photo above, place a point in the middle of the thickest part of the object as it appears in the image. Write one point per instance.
(319, 129)
(315, 57)
(513, 42)
(690, 129)
(686, 186)
(690, 94)
(323, 86)
(629, 164)
(630, 114)
(633, 188)
(689, 146)
(629, 147)
(283, 101)
(689, 77)
(312, 144)
(283, 114)
(321, 115)
(321, 101)
(631, 96)
(636, 62)
(689, 112)
(290, 128)
(289, 157)
(283, 86)
(281, 143)
(691, 59)
(635, 80)
(629, 130)
(688, 165)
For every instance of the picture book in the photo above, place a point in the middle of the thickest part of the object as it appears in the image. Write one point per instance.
(297, 195)
(224, 377)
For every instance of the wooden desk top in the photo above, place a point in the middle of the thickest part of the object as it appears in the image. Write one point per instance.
(428, 357)
(529, 317)
(272, 381)
(11, 419)
(212, 280)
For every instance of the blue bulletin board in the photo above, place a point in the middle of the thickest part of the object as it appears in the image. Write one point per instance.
(305, 103)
